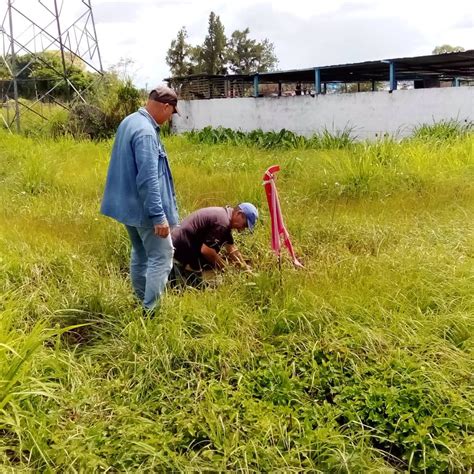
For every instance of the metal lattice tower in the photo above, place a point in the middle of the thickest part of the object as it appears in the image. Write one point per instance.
(44, 43)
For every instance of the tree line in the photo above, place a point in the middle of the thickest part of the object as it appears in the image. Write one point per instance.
(37, 73)
(219, 54)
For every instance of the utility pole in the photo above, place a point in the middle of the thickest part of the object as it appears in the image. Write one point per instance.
(36, 29)
(13, 68)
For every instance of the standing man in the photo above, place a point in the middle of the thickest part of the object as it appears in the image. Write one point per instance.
(202, 235)
(139, 193)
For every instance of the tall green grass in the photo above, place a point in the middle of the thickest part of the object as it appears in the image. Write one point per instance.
(362, 362)
(37, 119)
(444, 130)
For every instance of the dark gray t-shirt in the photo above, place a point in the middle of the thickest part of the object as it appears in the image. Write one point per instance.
(210, 226)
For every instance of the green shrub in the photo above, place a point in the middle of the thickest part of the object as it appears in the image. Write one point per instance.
(284, 139)
(101, 119)
(88, 121)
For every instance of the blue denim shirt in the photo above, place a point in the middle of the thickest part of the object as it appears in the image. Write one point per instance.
(139, 190)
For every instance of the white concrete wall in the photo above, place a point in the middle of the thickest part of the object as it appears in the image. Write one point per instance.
(368, 114)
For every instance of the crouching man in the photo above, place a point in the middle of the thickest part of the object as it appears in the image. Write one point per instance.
(202, 236)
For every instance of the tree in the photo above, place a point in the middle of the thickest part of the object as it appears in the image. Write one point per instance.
(38, 73)
(246, 55)
(123, 69)
(447, 48)
(48, 68)
(178, 56)
(214, 47)
(241, 54)
(196, 60)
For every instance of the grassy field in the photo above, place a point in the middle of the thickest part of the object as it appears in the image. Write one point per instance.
(362, 362)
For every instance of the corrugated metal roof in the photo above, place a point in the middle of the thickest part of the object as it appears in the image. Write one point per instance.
(440, 66)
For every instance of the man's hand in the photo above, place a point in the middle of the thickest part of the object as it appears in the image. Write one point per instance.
(162, 230)
(236, 257)
(212, 257)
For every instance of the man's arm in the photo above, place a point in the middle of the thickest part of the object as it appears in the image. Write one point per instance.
(146, 158)
(236, 257)
(212, 257)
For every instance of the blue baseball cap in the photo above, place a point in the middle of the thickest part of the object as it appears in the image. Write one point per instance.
(251, 213)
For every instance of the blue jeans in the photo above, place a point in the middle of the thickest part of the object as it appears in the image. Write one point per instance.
(150, 264)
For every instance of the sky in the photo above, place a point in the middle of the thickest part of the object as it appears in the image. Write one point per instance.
(305, 33)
